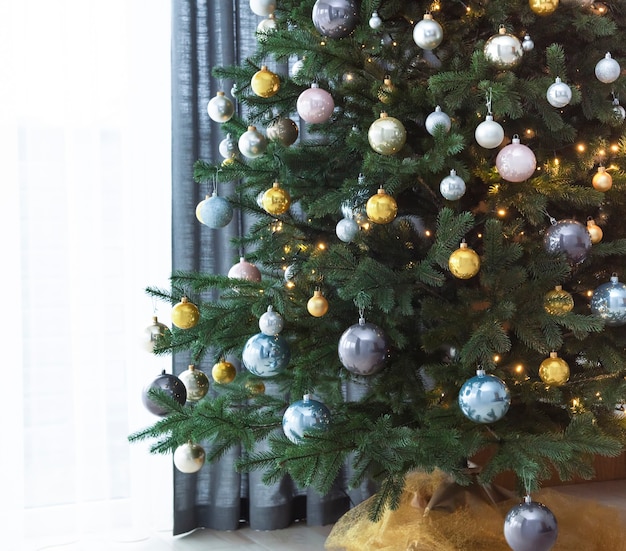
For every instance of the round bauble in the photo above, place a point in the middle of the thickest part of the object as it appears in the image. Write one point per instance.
(569, 237)
(452, 187)
(155, 331)
(375, 21)
(315, 105)
(437, 119)
(530, 526)
(185, 314)
(189, 457)
(223, 372)
(263, 7)
(527, 43)
(317, 305)
(608, 302)
(558, 301)
(171, 385)
(381, 208)
(266, 26)
(559, 94)
(196, 383)
(296, 68)
(503, 50)
(244, 270)
(554, 370)
(265, 83)
(602, 180)
(543, 7)
(252, 143)
(276, 200)
(304, 416)
(386, 90)
(271, 323)
(255, 386)
(516, 162)
(386, 135)
(484, 398)
(595, 231)
(607, 70)
(427, 33)
(215, 212)
(489, 134)
(220, 108)
(464, 263)
(283, 130)
(265, 355)
(363, 348)
(347, 229)
(228, 147)
(335, 18)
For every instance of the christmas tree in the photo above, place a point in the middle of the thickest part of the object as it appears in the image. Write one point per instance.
(435, 192)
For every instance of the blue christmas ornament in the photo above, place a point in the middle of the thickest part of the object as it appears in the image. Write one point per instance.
(530, 526)
(609, 302)
(303, 416)
(215, 212)
(484, 398)
(266, 355)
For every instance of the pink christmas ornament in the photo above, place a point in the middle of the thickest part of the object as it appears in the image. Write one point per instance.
(516, 162)
(315, 105)
(244, 270)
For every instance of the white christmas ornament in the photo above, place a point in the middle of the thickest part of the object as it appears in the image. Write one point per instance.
(228, 147)
(252, 143)
(375, 21)
(263, 7)
(559, 94)
(619, 111)
(220, 108)
(347, 229)
(296, 68)
(189, 458)
(516, 162)
(527, 43)
(607, 69)
(437, 118)
(489, 134)
(271, 322)
(267, 25)
(428, 34)
(452, 187)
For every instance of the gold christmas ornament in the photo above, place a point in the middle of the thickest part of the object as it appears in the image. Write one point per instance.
(255, 386)
(283, 130)
(543, 7)
(185, 314)
(317, 305)
(381, 208)
(386, 135)
(224, 372)
(554, 370)
(602, 180)
(464, 263)
(503, 50)
(595, 231)
(558, 301)
(386, 90)
(196, 383)
(264, 83)
(276, 200)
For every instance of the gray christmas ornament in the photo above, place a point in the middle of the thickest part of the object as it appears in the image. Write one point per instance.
(569, 237)
(608, 301)
(347, 229)
(335, 18)
(437, 118)
(228, 147)
(363, 348)
(452, 187)
(530, 526)
(484, 398)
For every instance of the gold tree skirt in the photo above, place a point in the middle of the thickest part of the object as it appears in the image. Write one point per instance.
(437, 515)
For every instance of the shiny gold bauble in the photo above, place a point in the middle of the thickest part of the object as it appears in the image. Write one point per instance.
(558, 301)
(264, 83)
(224, 372)
(543, 7)
(185, 314)
(276, 200)
(283, 130)
(503, 50)
(602, 180)
(196, 383)
(317, 305)
(255, 386)
(386, 90)
(595, 231)
(386, 135)
(464, 263)
(381, 208)
(554, 370)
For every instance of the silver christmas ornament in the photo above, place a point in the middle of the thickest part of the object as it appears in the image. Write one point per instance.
(559, 94)
(375, 21)
(527, 43)
(363, 348)
(607, 69)
(271, 322)
(154, 332)
(503, 50)
(335, 18)
(452, 187)
(530, 526)
(484, 398)
(263, 7)
(189, 457)
(303, 416)
(428, 33)
(437, 118)
(489, 134)
(347, 229)
(608, 302)
(220, 108)
(618, 111)
(266, 355)
(196, 382)
(228, 147)
(252, 143)
(569, 237)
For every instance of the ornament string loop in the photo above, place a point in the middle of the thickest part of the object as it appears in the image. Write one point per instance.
(488, 95)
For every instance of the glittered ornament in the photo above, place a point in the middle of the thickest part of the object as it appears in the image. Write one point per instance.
(516, 162)
(263, 7)
(530, 526)
(363, 348)
(427, 33)
(317, 305)
(276, 200)
(220, 108)
(271, 322)
(554, 370)
(283, 130)
(214, 212)
(489, 134)
(196, 383)
(608, 302)
(265, 355)
(228, 147)
(244, 270)
(347, 229)
(386, 135)
(381, 208)
(375, 21)
(305, 416)
(265, 83)
(503, 50)
(464, 263)
(602, 180)
(252, 143)
(607, 70)
(335, 18)
(558, 301)
(171, 385)
(595, 231)
(437, 119)
(527, 43)
(223, 372)
(569, 237)
(543, 7)
(484, 398)
(185, 314)
(452, 187)
(315, 105)
(189, 457)
(559, 94)
(155, 331)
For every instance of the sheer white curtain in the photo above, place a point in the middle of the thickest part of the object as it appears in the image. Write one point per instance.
(85, 220)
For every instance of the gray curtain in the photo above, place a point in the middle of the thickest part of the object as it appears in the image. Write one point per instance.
(206, 33)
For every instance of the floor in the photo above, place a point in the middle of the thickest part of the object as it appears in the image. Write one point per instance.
(298, 537)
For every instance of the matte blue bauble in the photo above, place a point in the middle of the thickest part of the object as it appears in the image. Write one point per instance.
(530, 526)
(609, 302)
(266, 355)
(303, 416)
(215, 212)
(569, 237)
(363, 348)
(168, 383)
(484, 398)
